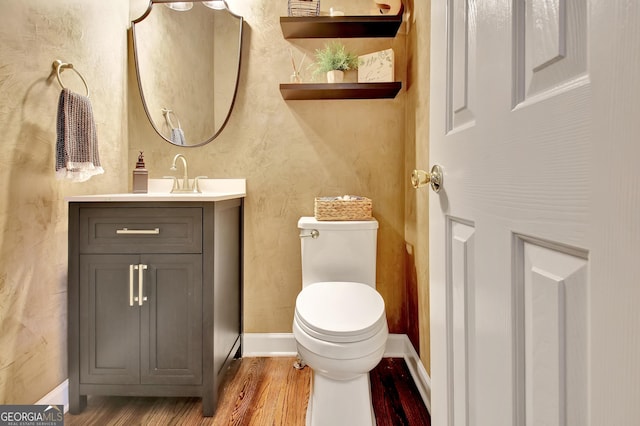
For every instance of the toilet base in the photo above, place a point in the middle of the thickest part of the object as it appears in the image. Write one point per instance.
(340, 402)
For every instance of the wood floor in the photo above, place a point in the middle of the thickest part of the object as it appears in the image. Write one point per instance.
(260, 392)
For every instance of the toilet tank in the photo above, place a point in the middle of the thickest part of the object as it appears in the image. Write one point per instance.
(342, 251)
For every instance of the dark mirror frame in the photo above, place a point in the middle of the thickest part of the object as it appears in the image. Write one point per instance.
(139, 80)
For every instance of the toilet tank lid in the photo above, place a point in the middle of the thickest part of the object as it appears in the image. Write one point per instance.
(313, 223)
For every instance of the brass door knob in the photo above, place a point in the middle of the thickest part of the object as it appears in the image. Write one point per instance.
(420, 178)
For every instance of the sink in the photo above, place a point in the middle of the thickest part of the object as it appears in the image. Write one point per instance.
(160, 190)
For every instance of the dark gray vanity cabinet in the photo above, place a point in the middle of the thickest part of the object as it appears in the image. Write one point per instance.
(154, 298)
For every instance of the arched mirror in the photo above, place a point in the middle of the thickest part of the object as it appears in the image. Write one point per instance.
(187, 57)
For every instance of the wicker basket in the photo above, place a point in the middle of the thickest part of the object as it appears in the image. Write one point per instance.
(342, 208)
(304, 7)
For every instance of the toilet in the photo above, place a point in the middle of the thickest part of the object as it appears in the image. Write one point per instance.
(339, 324)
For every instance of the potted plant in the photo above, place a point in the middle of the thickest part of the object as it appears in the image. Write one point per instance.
(334, 60)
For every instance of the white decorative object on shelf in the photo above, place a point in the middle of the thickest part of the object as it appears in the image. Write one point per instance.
(387, 7)
(376, 67)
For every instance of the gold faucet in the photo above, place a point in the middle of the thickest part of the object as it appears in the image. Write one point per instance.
(186, 185)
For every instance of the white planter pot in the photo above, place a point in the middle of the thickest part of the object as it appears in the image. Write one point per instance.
(335, 76)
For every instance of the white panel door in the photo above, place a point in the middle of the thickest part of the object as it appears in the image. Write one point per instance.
(535, 234)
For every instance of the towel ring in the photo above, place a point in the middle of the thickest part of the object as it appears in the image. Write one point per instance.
(58, 66)
(166, 113)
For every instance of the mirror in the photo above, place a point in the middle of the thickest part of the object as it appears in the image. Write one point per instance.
(188, 66)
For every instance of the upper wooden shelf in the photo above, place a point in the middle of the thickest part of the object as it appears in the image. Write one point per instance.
(307, 91)
(340, 26)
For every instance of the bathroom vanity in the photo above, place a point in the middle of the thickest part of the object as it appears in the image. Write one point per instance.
(154, 295)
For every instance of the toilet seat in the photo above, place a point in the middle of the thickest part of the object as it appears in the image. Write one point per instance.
(340, 312)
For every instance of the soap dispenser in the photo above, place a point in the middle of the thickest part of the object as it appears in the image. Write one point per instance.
(140, 176)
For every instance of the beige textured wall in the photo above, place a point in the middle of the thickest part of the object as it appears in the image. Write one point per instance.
(291, 152)
(33, 214)
(417, 156)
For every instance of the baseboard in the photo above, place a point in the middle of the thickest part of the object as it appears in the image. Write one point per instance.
(58, 396)
(268, 345)
(283, 344)
(398, 346)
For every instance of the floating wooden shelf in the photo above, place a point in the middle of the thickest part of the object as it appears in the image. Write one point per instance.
(340, 26)
(340, 91)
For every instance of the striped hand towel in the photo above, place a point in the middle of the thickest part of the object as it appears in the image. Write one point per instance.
(77, 157)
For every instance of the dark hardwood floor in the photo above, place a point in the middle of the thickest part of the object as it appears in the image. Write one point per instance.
(396, 400)
(260, 392)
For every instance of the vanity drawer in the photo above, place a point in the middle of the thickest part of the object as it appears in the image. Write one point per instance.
(140, 230)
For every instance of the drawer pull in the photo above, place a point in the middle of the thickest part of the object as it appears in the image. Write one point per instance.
(127, 231)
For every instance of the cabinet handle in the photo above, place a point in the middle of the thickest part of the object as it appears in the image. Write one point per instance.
(131, 269)
(141, 269)
(127, 231)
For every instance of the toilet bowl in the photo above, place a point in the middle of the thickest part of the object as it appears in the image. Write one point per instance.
(341, 331)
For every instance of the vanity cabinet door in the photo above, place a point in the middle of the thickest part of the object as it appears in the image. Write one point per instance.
(171, 320)
(158, 342)
(109, 326)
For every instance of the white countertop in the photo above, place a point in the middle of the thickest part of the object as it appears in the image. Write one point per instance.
(159, 190)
